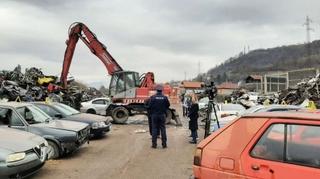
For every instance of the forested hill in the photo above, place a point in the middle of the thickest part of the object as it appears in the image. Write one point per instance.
(266, 60)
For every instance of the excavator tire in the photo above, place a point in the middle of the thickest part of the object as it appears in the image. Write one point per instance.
(120, 115)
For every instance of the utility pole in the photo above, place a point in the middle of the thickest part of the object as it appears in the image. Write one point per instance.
(308, 30)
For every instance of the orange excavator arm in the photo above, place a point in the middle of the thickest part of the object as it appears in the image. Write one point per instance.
(79, 30)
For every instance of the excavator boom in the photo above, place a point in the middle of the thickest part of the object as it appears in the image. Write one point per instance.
(79, 30)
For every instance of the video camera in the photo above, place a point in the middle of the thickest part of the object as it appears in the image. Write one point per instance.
(211, 90)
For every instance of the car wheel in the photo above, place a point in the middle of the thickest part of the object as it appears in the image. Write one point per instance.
(168, 116)
(91, 111)
(120, 115)
(53, 150)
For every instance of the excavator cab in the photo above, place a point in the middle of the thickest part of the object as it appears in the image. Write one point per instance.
(122, 82)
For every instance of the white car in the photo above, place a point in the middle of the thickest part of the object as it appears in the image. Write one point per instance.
(224, 113)
(259, 108)
(96, 106)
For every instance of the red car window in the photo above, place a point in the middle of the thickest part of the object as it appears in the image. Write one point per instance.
(290, 143)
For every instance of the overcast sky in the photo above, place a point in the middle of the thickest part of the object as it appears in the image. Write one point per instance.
(168, 37)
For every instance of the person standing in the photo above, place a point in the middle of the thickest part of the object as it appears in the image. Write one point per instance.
(193, 115)
(159, 104)
(182, 104)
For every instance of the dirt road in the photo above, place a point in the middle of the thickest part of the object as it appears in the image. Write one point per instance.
(126, 153)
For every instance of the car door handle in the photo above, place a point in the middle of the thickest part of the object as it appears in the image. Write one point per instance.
(255, 167)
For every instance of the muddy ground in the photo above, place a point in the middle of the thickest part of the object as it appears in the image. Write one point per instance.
(126, 152)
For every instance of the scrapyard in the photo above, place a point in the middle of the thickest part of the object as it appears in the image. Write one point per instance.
(143, 90)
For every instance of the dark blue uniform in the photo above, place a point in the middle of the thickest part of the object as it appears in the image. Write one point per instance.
(158, 106)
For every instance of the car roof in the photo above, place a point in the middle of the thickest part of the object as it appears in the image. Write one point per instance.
(99, 98)
(43, 102)
(302, 115)
(278, 106)
(14, 104)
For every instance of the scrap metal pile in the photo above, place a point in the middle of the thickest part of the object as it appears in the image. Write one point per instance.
(306, 89)
(33, 85)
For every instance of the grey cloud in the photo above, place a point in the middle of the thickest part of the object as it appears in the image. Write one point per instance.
(167, 37)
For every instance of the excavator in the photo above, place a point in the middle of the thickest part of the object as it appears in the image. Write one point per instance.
(128, 90)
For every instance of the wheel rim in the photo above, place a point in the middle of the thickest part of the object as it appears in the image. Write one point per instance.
(120, 114)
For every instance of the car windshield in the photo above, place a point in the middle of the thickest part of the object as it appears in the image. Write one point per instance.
(63, 110)
(70, 110)
(232, 107)
(33, 115)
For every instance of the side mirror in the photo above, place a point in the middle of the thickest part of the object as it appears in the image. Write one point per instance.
(58, 115)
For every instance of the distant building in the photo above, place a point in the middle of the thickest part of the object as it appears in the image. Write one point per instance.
(296, 76)
(266, 84)
(275, 82)
(254, 83)
(226, 88)
(193, 85)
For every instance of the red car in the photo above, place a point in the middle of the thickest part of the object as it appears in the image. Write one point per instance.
(283, 145)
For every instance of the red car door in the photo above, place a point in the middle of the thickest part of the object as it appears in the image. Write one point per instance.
(276, 153)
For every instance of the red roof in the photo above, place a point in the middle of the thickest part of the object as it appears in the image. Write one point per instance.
(228, 85)
(256, 77)
(191, 84)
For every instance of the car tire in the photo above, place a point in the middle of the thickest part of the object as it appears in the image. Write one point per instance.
(53, 150)
(91, 111)
(168, 116)
(120, 115)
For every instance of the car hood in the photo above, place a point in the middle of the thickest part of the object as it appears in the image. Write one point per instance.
(62, 124)
(14, 140)
(87, 117)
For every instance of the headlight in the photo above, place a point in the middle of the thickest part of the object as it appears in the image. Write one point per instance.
(15, 157)
(97, 125)
(46, 143)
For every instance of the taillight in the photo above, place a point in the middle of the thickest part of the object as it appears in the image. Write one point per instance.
(197, 157)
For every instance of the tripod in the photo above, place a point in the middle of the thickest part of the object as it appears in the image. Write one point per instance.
(211, 105)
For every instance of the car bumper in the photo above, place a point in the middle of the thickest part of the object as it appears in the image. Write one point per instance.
(24, 168)
(68, 147)
(100, 131)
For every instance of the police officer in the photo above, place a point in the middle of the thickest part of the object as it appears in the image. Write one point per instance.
(159, 104)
